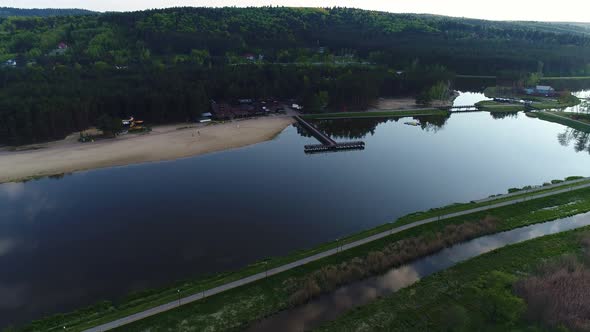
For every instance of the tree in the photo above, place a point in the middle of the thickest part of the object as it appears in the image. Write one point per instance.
(110, 126)
(199, 57)
(497, 301)
(456, 319)
(439, 91)
(316, 102)
(533, 79)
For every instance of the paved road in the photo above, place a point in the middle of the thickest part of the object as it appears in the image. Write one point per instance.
(210, 292)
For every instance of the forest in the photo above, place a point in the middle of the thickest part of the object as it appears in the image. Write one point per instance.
(60, 73)
(7, 12)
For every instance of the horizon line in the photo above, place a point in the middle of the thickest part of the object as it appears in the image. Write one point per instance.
(278, 6)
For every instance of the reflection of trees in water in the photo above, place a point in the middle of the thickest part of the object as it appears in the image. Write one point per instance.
(350, 128)
(583, 107)
(432, 122)
(503, 115)
(580, 139)
(361, 127)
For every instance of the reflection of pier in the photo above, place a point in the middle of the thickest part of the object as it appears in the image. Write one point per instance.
(328, 144)
(461, 108)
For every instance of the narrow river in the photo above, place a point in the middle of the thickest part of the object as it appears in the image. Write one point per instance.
(330, 306)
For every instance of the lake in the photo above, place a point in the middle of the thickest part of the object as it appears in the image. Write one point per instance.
(72, 241)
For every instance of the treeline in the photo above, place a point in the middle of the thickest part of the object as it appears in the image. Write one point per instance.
(39, 105)
(217, 36)
(166, 65)
(37, 12)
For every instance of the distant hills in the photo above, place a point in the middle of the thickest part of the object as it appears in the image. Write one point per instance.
(7, 11)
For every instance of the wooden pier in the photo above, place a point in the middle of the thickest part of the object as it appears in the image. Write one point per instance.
(328, 144)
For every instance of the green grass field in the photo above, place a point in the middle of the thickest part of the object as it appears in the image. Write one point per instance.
(492, 106)
(475, 295)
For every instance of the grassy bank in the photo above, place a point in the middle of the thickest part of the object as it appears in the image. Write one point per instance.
(492, 106)
(105, 312)
(476, 76)
(473, 296)
(564, 78)
(377, 114)
(538, 102)
(564, 118)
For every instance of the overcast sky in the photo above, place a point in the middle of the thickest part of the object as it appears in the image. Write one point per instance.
(538, 10)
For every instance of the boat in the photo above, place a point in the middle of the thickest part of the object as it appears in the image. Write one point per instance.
(412, 123)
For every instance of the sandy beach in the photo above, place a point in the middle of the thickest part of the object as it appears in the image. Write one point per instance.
(163, 143)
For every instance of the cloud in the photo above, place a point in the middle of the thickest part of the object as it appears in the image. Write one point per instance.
(6, 245)
(12, 190)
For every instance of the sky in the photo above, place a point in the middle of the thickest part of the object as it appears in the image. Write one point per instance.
(539, 10)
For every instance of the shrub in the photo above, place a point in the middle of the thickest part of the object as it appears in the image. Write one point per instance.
(395, 254)
(559, 293)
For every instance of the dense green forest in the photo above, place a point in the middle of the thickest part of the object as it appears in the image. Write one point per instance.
(60, 73)
(7, 12)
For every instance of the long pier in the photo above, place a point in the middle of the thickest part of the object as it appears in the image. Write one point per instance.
(328, 144)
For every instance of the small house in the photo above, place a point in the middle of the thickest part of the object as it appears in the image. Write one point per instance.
(545, 90)
(541, 90)
(61, 49)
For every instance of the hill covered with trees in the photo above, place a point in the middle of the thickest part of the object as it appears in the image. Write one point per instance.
(223, 35)
(38, 12)
(60, 73)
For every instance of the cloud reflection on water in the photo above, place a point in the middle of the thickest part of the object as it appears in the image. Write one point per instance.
(12, 190)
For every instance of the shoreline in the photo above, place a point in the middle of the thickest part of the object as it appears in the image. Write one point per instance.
(353, 244)
(164, 143)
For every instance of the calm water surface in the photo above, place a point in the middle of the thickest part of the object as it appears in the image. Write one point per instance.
(101, 234)
(328, 307)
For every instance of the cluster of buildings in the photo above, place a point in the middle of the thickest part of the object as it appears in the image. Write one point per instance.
(244, 108)
(61, 49)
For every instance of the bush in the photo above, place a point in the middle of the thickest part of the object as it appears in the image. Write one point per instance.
(559, 293)
(455, 318)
